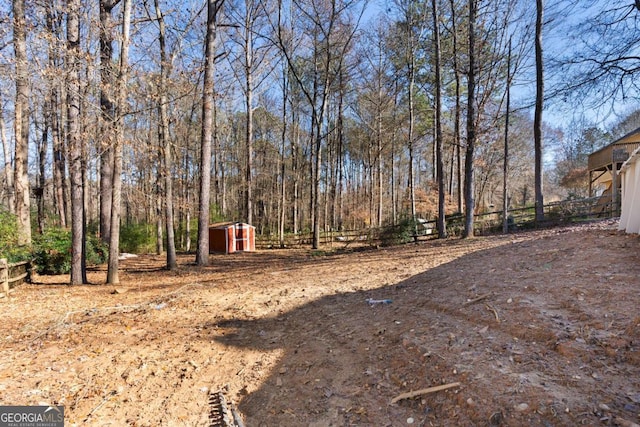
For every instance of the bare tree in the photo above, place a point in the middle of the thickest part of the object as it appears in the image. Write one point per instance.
(202, 251)
(330, 38)
(53, 112)
(458, 108)
(108, 117)
(375, 108)
(41, 178)
(505, 164)
(78, 271)
(283, 166)
(471, 124)
(7, 166)
(537, 125)
(21, 125)
(253, 58)
(116, 207)
(164, 139)
(442, 231)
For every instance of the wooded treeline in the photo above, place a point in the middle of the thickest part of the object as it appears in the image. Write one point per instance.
(290, 115)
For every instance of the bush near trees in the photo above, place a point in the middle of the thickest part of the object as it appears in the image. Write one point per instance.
(137, 238)
(52, 251)
(9, 247)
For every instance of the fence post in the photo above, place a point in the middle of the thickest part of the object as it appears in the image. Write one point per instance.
(4, 276)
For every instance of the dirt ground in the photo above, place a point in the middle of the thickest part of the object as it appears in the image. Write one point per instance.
(538, 328)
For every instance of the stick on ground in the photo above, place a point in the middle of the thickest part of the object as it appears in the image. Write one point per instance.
(480, 298)
(495, 312)
(412, 394)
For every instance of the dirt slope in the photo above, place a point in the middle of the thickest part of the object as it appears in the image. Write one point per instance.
(537, 328)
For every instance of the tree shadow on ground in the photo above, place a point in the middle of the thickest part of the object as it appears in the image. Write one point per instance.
(493, 320)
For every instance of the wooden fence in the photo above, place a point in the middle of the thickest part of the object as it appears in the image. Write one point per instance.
(13, 274)
(557, 213)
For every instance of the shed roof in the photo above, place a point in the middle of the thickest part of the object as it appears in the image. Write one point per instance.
(229, 224)
(221, 224)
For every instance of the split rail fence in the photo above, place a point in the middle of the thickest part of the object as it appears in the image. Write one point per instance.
(13, 274)
(557, 213)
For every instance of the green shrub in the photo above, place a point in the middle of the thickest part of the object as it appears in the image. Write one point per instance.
(97, 251)
(137, 238)
(52, 251)
(9, 247)
(397, 234)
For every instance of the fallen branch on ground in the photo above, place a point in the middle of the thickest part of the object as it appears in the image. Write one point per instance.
(495, 312)
(480, 298)
(416, 393)
(101, 404)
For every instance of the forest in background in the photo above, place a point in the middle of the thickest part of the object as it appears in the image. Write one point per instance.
(306, 115)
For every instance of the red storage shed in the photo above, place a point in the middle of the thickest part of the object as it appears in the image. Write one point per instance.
(232, 237)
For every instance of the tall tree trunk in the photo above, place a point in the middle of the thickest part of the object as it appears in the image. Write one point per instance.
(370, 189)
(379, 170)
(42, 163)
(339, 154)
(78, 272)
(49, 113)
(116, 207)
(220, 154)
(505, 164)
(471, 125)
(394, 187)
(457, 108)
(315, 199)
(248, 64)
(108, 116)
(223, 167)
(340, 188)
(410, 58)
(283, 166)
(187, 214)
(379, 114)
(187, 187)
(165, 142)
(295, 158)
(412, 193)
(59, 164)
(21, 125)
(537, 120)
(53, 119)
(159, 211)
(8, 167)
(442, 231)
(202, 252)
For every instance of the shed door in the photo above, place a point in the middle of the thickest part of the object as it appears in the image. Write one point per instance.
(241, 237)
(231, 240)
